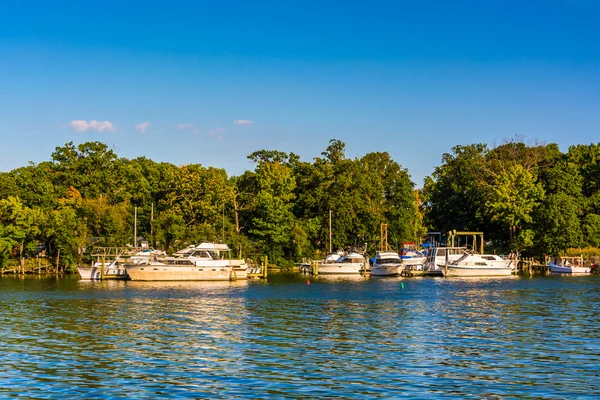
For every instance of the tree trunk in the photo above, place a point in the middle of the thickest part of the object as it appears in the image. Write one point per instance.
(237, 216)
(21, 258)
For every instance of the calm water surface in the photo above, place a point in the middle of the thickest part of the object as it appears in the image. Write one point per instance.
(352, 338)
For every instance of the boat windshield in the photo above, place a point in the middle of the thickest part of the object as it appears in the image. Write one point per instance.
(350, 260)
(388, 261)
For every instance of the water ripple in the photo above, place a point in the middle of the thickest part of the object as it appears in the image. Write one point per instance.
(379, 338)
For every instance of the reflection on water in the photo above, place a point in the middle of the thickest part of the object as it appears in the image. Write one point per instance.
(342, 278)
(351, 338)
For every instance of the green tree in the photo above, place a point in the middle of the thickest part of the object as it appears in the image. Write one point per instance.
(513, 196)
(19, 228)
(453, 196)
(591, 230)
(90, 167)
(273, 219)
(170, 227)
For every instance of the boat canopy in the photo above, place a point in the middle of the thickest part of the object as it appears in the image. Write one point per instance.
(213, 246)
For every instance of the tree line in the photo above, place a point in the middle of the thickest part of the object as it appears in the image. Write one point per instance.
(526, 197)
(86, 194)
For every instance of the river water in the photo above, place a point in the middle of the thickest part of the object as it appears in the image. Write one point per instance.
(352, 338)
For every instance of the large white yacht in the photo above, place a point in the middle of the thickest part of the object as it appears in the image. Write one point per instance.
(350, 263)
(194, 263)
(387, 263)
(477, 265)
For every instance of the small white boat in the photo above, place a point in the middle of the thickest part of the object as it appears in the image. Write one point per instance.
(475, 265)
(112, 270)
(351, 263)
(387, 263)
(568, 265)
(306, 267)
(412, 257)
(437, 258)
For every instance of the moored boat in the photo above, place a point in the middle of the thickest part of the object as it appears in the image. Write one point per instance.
(205, 262)
(568, 265)
(437, 258)
(387, 263)
(177, 269)
(410, 256)
(350, 263)
(114, 260)
(475, 265)
(112, 270)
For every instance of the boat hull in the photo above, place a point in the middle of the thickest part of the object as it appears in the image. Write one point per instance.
(177, 273)
(413, 260)
(340, 269)
(241, 272)
(94, 273)
(457, 271)
(561, 269)
(386, 270)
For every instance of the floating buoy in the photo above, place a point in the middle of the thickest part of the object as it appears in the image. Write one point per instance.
(308, 282)
(402, 285)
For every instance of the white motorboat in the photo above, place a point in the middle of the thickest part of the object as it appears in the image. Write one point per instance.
(387, 263)
(475, 265)
(412, 257)
(568, 265)
(351, 263)
(437, 258)
(306, 267)
(178, 269)
(413, 261)
(112, 270)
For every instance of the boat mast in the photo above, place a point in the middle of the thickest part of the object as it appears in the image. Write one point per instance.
(330, 236)
(134, 227)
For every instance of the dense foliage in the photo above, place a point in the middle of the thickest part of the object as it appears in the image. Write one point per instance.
(85, 196)
(530, 198)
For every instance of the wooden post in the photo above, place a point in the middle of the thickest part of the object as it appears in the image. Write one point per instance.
(102, 270)
(446, 264)
(232, 273)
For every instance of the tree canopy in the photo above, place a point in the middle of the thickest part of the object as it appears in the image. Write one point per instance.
(527, 197)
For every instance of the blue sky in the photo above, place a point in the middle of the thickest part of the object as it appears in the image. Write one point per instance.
(210, 82)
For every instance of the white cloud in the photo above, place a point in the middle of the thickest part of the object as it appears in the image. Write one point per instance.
(98, 126)
(143, 127)
(243, 122)
(218, 133)
(188, 126)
